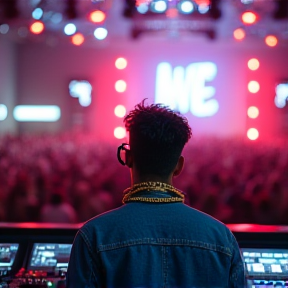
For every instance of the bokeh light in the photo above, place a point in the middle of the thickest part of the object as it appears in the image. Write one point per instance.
(119, 132)
(120, 86)
(253, 112)
(70, 29)
(253, 86)
(121, 63)
(120, 111)
(37, 13)
(252, 134)
(249, 17)
(3, 112)
(100, 33)
(271, 40)
(239, 34)
(253, 64)
(77, 39)
(4, 28)
(97, 16)
(37, 27)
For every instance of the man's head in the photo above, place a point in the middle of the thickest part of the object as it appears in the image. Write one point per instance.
(157, 138)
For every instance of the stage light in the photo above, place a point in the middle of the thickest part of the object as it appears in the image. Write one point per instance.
(247, 1)
(37, 13)
(77, 39)
(82, 90)
(143, 8)
(4, 28)
(271, 40)
(159, 6)
(121, 63)
(281, 95)
(120, 111)
(186, 7)
(3, 112)
(37, 113)
(239, 34)
(249, 17)
(203, 8)
(253, 86)
(70, 29)
(100, 33)
(37, 27)
(253, 64)
(97, 16)
(120, 86)
(253, 112)
(252, 133)
(119, 132)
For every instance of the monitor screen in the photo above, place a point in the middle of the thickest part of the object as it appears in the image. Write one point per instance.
(266, 261)
(50, 255)
(8, 253)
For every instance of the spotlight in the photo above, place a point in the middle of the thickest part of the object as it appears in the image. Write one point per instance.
(97, 16)
(159, 6)
(37, 27)
(70, 29)
(249, 17)
(186, 7)
(100, 33)
(239, 34)
(37, 13)
(271, 40)
(77, 39)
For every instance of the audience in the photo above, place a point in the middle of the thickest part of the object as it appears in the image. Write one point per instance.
(236, 181)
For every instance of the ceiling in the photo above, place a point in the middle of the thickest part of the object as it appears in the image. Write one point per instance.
(57, 13)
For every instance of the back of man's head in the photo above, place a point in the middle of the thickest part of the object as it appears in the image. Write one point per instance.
(157, 138)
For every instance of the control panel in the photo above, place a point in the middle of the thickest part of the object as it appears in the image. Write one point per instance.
(37, 255)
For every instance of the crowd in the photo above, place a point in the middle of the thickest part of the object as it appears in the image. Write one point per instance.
(71, 178)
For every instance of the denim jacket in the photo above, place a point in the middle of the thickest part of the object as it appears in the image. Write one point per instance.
(155, 245)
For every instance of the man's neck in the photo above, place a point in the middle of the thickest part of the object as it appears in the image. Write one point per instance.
(150, 178)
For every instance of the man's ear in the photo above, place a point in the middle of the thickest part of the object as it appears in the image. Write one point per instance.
(179, 167)
(128, 158)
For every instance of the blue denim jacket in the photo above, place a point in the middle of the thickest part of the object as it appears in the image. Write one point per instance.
(155, 245)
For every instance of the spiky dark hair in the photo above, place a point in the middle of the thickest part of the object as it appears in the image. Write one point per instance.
(157, 138)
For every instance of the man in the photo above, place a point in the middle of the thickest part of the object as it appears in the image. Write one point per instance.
(154, 240)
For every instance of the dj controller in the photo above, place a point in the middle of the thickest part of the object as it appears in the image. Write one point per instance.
(34, 255)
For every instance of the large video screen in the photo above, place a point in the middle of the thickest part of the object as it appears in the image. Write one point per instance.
(8, 253)
(50, 255)
(266, 261)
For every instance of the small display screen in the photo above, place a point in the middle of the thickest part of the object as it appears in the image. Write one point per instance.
(266, 261)
(50, 255)
(8, 253)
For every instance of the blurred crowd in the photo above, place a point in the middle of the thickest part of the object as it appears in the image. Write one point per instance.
(71, 178)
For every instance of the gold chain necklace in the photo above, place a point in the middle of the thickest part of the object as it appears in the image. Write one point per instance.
(152, 186)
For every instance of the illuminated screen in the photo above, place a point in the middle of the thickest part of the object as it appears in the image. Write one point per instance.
(50, 255)
(8, 253)
(266, 261)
